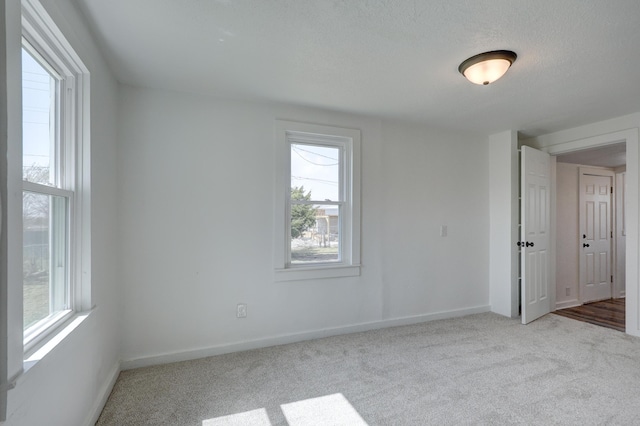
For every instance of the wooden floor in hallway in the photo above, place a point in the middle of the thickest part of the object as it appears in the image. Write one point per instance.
(606, 313)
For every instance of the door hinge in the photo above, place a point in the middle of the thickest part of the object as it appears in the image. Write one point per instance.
(612, 189)
(611, 232)
(611, 278)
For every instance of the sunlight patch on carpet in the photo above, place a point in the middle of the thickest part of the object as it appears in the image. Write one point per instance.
(325, 410)
(329, 410)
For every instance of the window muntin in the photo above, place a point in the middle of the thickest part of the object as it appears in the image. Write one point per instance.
(321, 164)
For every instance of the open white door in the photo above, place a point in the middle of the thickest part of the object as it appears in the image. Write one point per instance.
(535, 171)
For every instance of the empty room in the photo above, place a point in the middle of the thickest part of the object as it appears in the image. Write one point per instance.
(309, 212)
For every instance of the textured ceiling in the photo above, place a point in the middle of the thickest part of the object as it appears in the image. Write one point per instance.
(607, 156)
(578, 61)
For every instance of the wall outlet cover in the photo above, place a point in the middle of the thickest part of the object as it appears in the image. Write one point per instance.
(241, 310)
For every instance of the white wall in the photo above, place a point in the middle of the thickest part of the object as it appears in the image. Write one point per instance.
(567, 235)
(196, 179)
(69, 385)
(12, 193)
(10, 127)
(503, 225)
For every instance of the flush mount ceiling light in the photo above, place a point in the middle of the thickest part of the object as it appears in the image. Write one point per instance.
(487, 67)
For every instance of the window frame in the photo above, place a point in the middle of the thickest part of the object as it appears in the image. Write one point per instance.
(44, 41)
(348, 141)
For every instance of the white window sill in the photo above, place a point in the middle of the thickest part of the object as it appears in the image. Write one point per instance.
(44, 329)
(318, 272)
(37, 353)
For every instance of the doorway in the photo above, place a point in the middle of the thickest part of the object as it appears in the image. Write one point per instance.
(504, 201)
(590, 232)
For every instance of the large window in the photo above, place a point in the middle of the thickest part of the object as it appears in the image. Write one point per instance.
(318, 201)
(45, 199)
(54, 210)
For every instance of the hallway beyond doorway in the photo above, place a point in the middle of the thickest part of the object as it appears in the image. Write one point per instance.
(608, 313)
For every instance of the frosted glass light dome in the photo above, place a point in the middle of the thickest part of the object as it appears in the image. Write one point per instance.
(487, 67)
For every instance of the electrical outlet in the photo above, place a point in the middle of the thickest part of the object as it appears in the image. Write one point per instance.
(443, 231)
(568, 291)
(241, 311)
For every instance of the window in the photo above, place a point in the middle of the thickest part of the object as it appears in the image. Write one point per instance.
(55, 242)
(318, 201)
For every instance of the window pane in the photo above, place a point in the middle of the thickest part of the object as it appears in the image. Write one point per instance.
(315, 233)
(317, 170)
(38, 122)
(45, 266)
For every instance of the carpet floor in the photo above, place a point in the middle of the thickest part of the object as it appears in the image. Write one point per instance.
(479, 369)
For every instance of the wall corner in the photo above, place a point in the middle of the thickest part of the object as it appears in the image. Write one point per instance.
(504, 289)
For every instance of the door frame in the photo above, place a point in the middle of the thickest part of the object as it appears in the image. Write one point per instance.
(619, 232)
(630, 138)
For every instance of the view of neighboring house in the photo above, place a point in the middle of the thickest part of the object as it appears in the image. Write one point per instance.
(326, 228)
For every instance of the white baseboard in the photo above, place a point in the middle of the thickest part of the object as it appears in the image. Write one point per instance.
(103, 395)
(568, 304)
(295, 337)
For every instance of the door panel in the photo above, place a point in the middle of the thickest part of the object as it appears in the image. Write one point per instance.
(590, 207)
(534, 252)
(544, 275)
(603, 265)
(595, 224)
(604, 220)
(591, 268)
(531, 278)
(544, 210)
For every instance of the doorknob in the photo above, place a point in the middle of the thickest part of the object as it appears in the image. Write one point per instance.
(584, 236)
(585, 245)
(528, 244)
(520, 244)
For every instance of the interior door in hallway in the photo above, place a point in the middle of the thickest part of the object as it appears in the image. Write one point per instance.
(596, 232)
(535, 179)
